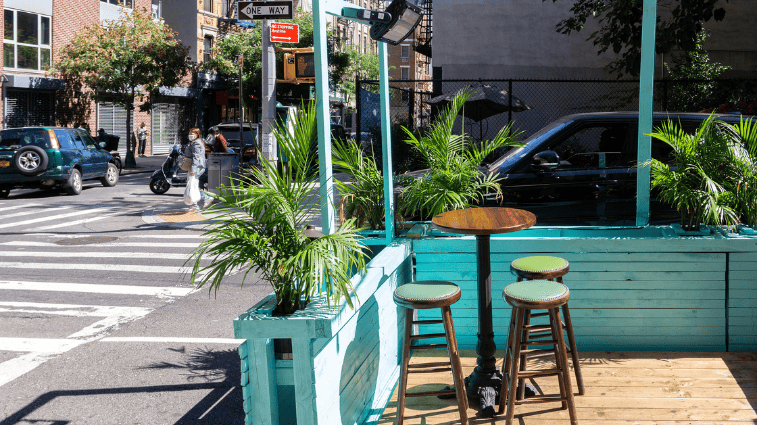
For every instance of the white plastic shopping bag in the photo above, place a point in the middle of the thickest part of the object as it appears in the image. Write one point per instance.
(192, 192)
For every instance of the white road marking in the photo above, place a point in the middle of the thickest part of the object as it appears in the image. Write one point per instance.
(43, 254)
(217, 402)
(100, 327)
(38, 345)
(135, 268)
(174, 339)
(74, 223)
(161, 291)
(54, 217)
(13, 368)
(163, 245)
(72, 309)
(169, 236)
(18, 206)
(22, 213)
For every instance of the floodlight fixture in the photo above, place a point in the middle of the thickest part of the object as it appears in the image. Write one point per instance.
(405, 18)
(391, 26)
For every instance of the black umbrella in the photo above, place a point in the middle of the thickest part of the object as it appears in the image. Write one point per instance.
(484, 102)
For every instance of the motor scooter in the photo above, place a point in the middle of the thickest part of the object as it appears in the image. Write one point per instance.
(168, 174)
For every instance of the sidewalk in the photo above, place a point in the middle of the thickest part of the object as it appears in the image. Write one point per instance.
(177, 215)
(146, 164)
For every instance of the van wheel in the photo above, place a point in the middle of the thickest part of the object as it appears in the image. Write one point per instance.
(73, 186)
(4, 193)
(111, 177)
(30, 160)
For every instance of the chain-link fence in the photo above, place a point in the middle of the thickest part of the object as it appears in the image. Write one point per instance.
(549, 100)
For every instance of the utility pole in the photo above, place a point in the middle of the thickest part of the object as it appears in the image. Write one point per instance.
(268, 120)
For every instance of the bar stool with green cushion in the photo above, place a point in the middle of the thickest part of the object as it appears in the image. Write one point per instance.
(544, 267)
(424, 295)
(523, 297)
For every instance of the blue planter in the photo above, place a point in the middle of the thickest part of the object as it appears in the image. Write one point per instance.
(345, 362)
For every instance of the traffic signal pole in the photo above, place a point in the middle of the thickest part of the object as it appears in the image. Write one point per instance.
(268, 119)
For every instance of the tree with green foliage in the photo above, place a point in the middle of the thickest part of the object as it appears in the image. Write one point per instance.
(349, 62)
(678, 24)
(128, 57)
(693, 96)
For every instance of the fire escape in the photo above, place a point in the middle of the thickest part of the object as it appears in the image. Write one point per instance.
(425, 31)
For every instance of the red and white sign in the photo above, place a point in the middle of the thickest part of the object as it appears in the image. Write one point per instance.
(285, 33)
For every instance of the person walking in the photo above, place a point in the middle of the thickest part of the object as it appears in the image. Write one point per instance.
(142, 133)
(196, 151)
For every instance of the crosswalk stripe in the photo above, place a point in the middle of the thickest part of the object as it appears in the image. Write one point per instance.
(38, 345)
(163, 245)
(13, 368)
(54, 217)
(82, 235)
(22, 213)
(160, 291)
(174, 339)
(18, 206)
(74, 223)
(155, 255)
(72, 309)
(169, 236)
(135, 268)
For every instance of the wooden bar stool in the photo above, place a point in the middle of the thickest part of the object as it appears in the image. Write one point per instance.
(543, 267)
(523, 297)
(424, 295)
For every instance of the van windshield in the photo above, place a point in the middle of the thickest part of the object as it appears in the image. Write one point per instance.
(17, 138)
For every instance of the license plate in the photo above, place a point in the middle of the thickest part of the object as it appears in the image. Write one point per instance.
(5, 163)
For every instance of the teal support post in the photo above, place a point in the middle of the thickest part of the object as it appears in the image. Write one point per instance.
(386, 142)
(322, 115)
(646, 92)
(304, 381)
(265, 404)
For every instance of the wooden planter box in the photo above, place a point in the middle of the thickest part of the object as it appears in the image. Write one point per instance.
(631, 289)
(345, 363)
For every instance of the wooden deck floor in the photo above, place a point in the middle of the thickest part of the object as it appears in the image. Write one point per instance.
(621, 388)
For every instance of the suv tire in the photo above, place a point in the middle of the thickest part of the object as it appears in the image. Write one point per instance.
(73, 186)
(111, 176)
(30, 160)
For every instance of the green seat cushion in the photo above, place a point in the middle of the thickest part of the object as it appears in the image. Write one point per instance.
(426, 290)
(535, 290)
(539, 263)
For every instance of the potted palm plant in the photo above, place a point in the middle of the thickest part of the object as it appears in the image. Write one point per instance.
(744, 185)
(362, 198)
(453, 180)
(262, 228)
(699, 181)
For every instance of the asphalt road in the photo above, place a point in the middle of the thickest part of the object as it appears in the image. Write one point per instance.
(99, 323)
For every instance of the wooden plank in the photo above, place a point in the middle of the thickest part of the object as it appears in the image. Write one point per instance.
(622, 303)
(470, 275)
(742, 283)
(304, 381)
(265, 408)
(596, 266)
(743, 256)
(741, 274)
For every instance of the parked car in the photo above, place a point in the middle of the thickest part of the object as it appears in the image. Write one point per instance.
(48, 157)
(250, 141)
(580, 169)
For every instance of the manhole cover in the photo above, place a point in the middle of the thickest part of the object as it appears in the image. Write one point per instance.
(89, 240)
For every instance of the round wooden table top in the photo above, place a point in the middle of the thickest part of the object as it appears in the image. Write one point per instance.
(484, 221)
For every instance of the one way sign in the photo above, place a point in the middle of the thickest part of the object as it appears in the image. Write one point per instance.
(256, 10)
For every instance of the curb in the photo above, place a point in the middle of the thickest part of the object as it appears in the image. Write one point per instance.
(152, 217)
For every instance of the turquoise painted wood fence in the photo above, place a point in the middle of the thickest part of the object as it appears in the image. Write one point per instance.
(628, 291)
(345, 362)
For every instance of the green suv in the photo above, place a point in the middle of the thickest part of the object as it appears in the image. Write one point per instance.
(47, 157)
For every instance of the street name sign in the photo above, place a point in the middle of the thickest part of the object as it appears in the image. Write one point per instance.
(257, 10)
(285, 33)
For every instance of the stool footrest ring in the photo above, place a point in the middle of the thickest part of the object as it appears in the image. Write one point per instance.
(428, 336)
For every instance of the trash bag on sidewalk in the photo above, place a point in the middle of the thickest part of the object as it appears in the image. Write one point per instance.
(192, 193)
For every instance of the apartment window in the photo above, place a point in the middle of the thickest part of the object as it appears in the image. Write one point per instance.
(207, 5)
(404, 73)
(207, 47)
(125, 3)
(405, 53)
(405, 96)
(26, 43)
